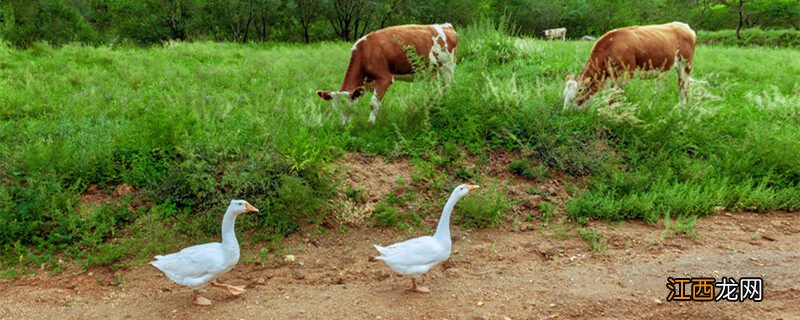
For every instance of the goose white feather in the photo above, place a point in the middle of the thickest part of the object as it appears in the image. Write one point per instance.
(198, 265)
(417, 256)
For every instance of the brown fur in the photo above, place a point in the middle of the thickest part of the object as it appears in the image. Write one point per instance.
(619, 53)
(380, 56)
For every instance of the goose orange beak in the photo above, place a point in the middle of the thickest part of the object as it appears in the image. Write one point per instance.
(249, 207)
(471, 187)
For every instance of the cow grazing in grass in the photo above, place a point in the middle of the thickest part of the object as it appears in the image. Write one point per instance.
(381, 57)
(556, 33)
(618, 54)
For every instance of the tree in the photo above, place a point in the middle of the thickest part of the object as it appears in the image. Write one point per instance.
(231, 19)
(342, 14)
(739, 4)
(701, 6)
(305, 12)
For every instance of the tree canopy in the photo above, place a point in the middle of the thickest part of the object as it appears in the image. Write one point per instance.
(23, 22)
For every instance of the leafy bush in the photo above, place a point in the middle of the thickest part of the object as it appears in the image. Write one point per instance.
(485, 209)
(384, 215)
(489, 43)
(52, 21)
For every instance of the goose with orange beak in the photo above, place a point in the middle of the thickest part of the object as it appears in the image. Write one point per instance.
(199, 265)
(416, 256)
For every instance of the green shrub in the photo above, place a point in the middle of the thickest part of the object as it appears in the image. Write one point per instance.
(485, 209)
(384, 215)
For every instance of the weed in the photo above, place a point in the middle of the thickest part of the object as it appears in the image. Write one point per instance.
(594, 238)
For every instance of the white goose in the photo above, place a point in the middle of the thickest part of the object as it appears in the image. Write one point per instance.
(198, 265)
(417, 256)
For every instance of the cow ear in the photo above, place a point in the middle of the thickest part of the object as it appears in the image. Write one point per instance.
(357, 93)
(325, 95)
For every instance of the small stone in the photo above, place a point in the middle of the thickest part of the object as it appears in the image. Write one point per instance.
(298, 275)
(657, 300)
(552, 305)
(480, 303)
(289, 258)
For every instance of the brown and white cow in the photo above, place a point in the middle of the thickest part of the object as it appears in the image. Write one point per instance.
(379, 58)
(618, 54)
(556, 33)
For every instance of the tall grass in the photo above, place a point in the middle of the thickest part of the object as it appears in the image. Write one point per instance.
(193, 125)
(788, 38)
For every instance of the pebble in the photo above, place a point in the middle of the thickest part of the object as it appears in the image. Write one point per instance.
(480, 303)
(289, 258)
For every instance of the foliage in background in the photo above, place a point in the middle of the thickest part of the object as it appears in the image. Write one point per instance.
(23, 22)
(751, 37)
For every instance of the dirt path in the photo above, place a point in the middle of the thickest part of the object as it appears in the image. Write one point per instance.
(495, 274)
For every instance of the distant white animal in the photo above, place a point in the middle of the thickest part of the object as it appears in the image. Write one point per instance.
(556, 33)
(198, 265)
(417, 256)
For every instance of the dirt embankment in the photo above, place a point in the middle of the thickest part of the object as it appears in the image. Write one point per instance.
(508, 273)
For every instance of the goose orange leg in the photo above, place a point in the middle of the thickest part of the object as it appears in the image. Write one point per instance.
(415, 288)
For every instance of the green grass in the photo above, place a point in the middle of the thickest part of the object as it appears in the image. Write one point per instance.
(594, 239)
(751, 37)
(193, 125)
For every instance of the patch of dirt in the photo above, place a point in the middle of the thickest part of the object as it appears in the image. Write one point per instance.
(375, 175)
(372, 178)
(492, 274)
(507, 273)
(95, 196)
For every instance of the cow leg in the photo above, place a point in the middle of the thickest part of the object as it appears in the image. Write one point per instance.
(381, 85)
(684, 69)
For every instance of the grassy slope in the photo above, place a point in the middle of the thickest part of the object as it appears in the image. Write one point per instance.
(194, 125)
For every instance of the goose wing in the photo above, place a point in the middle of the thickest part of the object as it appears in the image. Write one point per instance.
(192, 264)
(414, 252)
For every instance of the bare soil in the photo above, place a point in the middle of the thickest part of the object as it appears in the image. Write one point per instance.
(519, 271)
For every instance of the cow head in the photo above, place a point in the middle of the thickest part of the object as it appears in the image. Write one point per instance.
(575, 92)
(349, 99)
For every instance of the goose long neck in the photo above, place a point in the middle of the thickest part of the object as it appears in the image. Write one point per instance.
(228, 235)
(443, 229)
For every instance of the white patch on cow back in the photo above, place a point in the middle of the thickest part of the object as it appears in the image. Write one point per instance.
(685, 25)
(355, 45)
(440, 30)
(441, 58)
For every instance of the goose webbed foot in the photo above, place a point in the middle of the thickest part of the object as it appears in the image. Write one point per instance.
(200, 300)
(234, 290)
